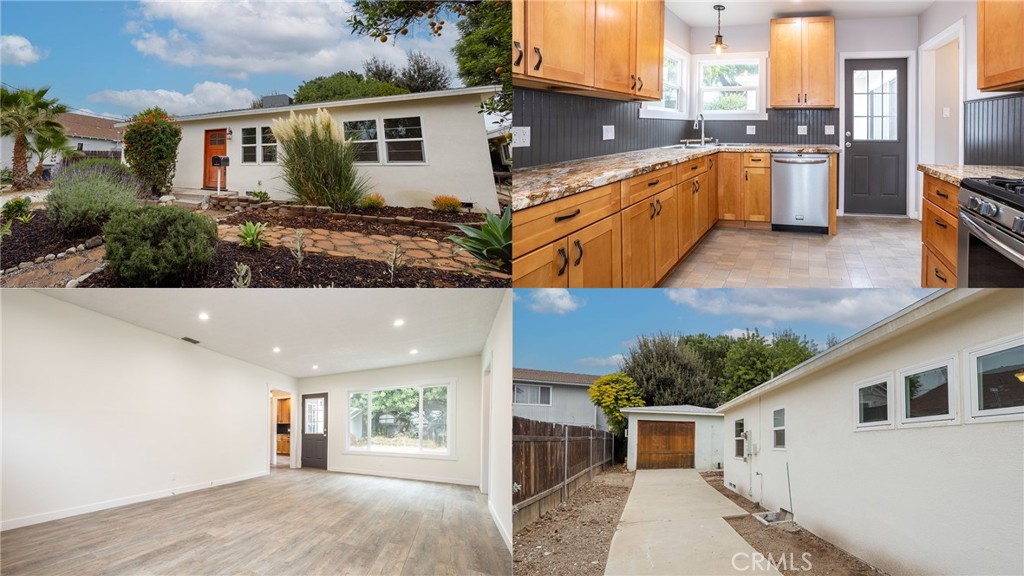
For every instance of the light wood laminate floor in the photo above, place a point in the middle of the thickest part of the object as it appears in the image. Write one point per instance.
(291, 522)
(867, 252)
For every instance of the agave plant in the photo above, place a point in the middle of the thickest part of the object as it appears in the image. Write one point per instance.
(251, 235)
(491, 243)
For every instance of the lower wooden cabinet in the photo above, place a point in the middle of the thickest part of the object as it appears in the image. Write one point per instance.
(650, 239)
(730, 185)
(939, 233)
(588, 258)
(757, 194)
(283, 444)
(934, 272)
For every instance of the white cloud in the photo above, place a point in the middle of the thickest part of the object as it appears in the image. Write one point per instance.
(89, 112)
(553, 301)
(736, 332)
(850, 308)
(614, 361)
(304, 39)
(18, 51)
(204, 97)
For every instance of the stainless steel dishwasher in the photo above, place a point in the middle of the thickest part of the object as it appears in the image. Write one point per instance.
(800, 192)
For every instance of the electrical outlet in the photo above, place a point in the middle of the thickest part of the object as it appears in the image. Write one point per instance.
(520, 136)
(751, 130)
(608, 132)
(830, 130)
(946, 112)
(801, 130)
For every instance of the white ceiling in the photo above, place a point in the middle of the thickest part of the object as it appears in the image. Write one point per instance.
(338, 330)
(700, 13)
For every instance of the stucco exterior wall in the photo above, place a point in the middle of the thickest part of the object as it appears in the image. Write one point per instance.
(455, 143)
(708, 440)
(935, 499)
(569, 405)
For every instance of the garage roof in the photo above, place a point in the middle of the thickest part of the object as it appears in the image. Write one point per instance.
(685, 409)
(548, 377)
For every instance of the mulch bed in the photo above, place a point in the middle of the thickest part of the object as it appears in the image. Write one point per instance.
(422, 214)
(275, 267)
(322, 221)
(38, 237)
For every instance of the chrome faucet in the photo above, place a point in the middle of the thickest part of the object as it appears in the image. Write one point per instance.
(700, 121)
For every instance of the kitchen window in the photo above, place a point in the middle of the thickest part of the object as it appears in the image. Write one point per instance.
(268, 146)
(732, 87)
(739, 439)
(363, 135)
(403, 140)
(927, 392)
(533, 395)
(779, 428)
(675, 99)
(407, 420)
(873, 398)
(249, 146)
(997, 378)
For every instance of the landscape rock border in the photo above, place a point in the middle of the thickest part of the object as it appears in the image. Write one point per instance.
(89, 244)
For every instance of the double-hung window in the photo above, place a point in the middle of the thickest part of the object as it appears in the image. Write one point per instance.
(532, 394)
(675, 94)
(259, 146)
(927, 392)
(404, 420)
(268, 146)
(249, 146)
(779, 428)
(363, 135)
(403, 140)
(732, 87)
(996, 373)
(739, 439)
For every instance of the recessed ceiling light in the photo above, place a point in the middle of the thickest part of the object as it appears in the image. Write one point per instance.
(276, 349)
(414, 351)
(399, 322)
(204, 316)
(315, 367)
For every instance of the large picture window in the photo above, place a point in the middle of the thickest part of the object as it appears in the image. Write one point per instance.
(363, 135)
(732, 86)
(996, 373)
(403, 140)
(409, 420)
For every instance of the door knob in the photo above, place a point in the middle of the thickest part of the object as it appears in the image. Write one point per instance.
(848, 144)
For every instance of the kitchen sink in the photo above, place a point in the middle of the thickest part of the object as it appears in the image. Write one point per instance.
(688, 147)
(737, 144)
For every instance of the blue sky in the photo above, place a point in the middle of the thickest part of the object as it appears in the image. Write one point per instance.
(120, 57)
(584, 331)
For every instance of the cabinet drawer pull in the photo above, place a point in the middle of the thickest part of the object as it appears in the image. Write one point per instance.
(579, 247)
(540, 58)
(940, 276)
(798, 98)
(658, 213)
(941, 194)
(519, 57)
(652, 211)
(697, 182)
(941, 224)
(694, 186)
(746, 175)
(641, 80)
(805, 98)
(633, 78)
(756, 159)
(574, 214)
(565, 261)
(655, 183)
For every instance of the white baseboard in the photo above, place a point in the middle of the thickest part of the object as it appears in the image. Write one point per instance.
(504, 533)
(405, 476)
(117, 502)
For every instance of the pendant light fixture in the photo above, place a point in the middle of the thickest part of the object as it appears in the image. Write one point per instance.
(719, 45)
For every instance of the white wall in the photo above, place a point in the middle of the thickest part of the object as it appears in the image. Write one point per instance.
(750, 38)
(462, 468)
(876, 35)
(99, 413)
(498, 353)
(677, 31)
(946, 137)
(941, 499)
(455, 143)
(708, 440)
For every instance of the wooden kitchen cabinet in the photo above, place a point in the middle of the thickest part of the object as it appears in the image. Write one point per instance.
(587, 258)
(650, 239)
(803, 62)
(1000, 45)
(712, 191)
(542, 268)
(757, 194)
(284, 411)
(650, 48)
(559, 40)
(518, 37)
(730, 186)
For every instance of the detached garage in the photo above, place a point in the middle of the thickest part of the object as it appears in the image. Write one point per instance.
(673, 437)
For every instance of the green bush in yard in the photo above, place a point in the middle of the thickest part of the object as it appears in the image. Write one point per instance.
(17, 208)
(159, 245)
(86, 194)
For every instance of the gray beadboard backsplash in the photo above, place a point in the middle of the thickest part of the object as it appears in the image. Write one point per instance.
(568, 127)
(994, 131)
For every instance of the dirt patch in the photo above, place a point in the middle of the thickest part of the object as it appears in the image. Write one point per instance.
(789, 541)
(575, 537)
(326, 223)
(421, 214)
(30, 240)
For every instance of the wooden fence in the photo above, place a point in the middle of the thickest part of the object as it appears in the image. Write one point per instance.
(551, 461)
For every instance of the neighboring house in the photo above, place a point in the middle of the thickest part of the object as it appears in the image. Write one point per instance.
(673, 437)
(560, 397)
(903, 445)
(413, 147)
(89, 134)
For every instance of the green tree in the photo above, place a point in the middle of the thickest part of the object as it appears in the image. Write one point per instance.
(712, 350)
(611, 394)
(832, 341)
(24, 113)
(753, 359)
(379, 69)
(482, 53)
(670, 372)
(384, 19)
(789, 349)
(48, 142)
(423, 74)
(343, 86)
(151, 148)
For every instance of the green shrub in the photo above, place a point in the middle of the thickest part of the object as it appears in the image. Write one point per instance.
(372, 201)
(85, 195)
(252, 235)
(17, 208)
(5, 230)
(159, 245)
(151, 148)
(446, 203)
(317, 163)
(491, 243)
(259, 195)
(6, 176)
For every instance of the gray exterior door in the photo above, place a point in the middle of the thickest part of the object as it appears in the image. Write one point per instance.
(876, 137)
(314, 431)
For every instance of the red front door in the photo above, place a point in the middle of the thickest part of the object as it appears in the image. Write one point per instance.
(215, 144)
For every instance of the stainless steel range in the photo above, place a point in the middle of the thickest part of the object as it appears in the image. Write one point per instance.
(990, 242)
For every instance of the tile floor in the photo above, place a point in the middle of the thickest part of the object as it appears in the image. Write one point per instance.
(867, 252)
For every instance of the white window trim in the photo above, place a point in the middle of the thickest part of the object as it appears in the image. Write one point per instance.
(377, 143)
(539, 395)
(949, 362)
(450, 455)
(973, 413)
(742, 437)
(655, 109)
(774, 427)
(258, 146)
(383, 155)
(762, 89)
(890, 392)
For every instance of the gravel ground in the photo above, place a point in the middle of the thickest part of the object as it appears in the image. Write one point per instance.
(38, 195)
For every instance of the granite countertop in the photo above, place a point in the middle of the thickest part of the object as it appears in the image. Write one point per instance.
(539, 184)
(954, 173)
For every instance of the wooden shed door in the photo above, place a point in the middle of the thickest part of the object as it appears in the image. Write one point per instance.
(216, 144)
(664, 444)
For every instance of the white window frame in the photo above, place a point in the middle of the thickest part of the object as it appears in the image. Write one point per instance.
(540, 396)
(450, 424)
(952, 417)
(656, 109)
(383, 131)
(261, 144)
(377, 122)
(741, 437)
(762, 88)
(258, 146)
(775, 446)
(890, 393)
(975, 414)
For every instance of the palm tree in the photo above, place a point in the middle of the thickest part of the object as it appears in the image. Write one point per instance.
(51, 142)
(26, 112)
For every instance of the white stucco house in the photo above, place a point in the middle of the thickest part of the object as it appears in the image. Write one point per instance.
(673, 437)
(413, 147)
(85, 133)
(559, 397)
(903, 445)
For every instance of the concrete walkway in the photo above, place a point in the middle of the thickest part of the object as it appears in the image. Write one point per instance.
(673, 524)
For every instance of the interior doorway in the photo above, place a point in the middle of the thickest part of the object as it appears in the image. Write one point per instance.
(280, 429)
(314, 431)
(942, 97)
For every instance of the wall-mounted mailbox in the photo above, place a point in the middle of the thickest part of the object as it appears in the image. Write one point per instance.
(219, 161)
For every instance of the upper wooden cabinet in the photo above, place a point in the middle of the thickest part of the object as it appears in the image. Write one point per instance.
(803, 62)
(1000, 45)
(284, 411)
(650, 48)
(560, 40)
